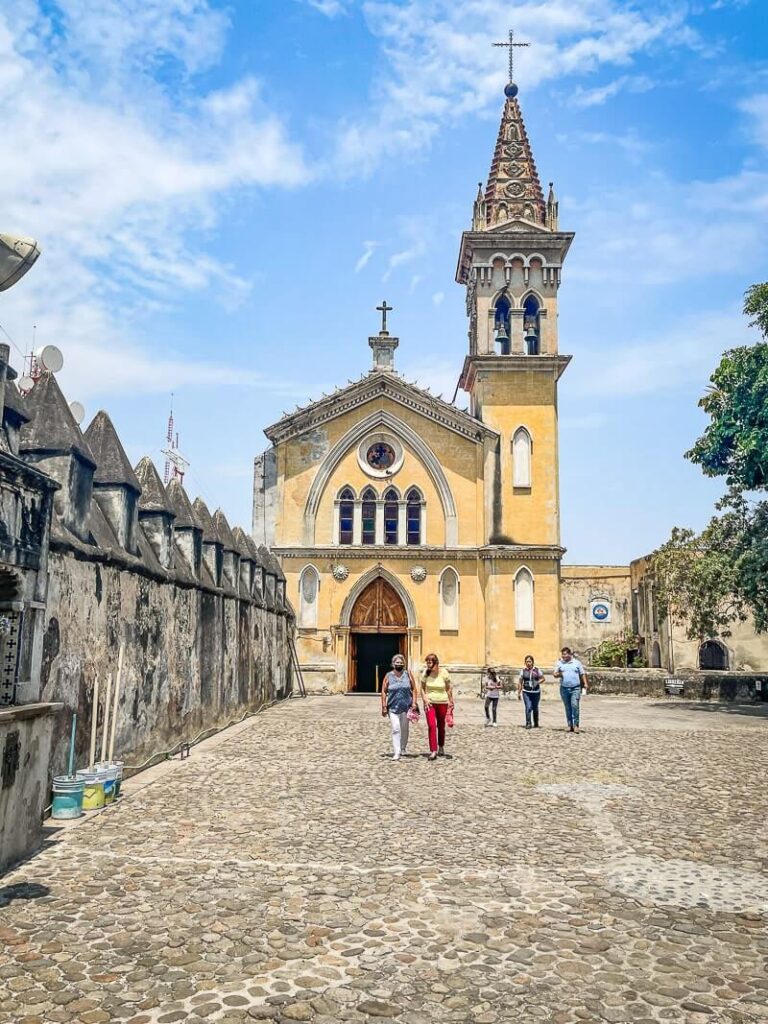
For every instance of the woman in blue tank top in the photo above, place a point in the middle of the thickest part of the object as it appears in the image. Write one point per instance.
(398, 696)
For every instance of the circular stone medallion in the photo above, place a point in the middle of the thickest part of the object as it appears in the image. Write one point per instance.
(340, 572)
(418, 574)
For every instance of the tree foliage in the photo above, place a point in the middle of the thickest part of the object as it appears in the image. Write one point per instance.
(613, 652)
(735, 444)
(695, 581)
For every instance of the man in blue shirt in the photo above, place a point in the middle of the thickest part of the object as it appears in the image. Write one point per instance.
(573, 679)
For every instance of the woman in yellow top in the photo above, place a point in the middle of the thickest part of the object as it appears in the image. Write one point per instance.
(437, 695)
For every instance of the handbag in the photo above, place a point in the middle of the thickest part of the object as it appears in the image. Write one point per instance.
(413, 715)
(449, 718)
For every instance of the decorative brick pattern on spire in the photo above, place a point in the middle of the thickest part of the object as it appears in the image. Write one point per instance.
(513, 191)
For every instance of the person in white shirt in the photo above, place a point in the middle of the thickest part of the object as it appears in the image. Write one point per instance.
(492, 690)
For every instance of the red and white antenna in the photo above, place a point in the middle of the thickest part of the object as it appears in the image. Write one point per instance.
(175, 463)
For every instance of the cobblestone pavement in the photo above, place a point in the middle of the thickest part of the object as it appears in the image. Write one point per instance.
(293, 872)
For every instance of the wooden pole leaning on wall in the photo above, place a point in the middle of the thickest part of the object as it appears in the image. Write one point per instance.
(94, 721)
(105, 724)
(118, 684)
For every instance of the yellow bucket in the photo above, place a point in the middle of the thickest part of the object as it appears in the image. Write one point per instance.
(93, 794)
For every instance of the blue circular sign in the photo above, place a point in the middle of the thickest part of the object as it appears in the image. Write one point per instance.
(600, 612)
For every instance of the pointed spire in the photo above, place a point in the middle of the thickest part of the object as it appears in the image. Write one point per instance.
(153, 496)
(478, 211)
(223, 531)
(553, 208)
(112, 465)
(513, 191)
(181, 506)
(204, 521)
(52, 428)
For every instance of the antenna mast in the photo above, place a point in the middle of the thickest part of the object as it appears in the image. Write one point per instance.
(175, 463)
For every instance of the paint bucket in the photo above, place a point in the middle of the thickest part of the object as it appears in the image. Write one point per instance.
(93, 793)
(109, 772)
(67, 797)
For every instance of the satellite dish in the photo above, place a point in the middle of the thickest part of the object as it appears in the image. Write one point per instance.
(16, 257)
(25, 384)
(78, 412)
(50, 358)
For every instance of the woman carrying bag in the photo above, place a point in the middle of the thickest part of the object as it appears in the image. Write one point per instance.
(398, 700)
(437, 694)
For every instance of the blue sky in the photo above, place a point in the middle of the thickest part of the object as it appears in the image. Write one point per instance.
(224, 192)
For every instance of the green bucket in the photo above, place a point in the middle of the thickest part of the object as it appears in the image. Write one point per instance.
(67, 797)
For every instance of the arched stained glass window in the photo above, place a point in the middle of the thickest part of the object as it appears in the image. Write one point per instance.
(391, 515)
(369, 516)
(413, 516)
(346, 515)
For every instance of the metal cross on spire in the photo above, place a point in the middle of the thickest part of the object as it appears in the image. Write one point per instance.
(511, 44)
(384, 309)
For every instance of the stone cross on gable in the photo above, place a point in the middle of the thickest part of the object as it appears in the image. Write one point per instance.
(511, 44)
(384, 309)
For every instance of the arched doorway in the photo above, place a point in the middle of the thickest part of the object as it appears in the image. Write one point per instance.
(713, 655)
(379, 630)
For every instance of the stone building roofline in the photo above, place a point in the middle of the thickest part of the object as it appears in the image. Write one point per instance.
(15, 403)
(241, 544)
(153, 495)
(181, 506)
(270, 562)
(370, 385)
(254, 549)
(52, 427)
(112, 465)
(224, 531)
(205, 521)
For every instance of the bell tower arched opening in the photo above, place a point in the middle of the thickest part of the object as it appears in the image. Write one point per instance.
(378, 631)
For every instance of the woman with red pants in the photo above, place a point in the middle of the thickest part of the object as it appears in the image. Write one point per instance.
(438, 698)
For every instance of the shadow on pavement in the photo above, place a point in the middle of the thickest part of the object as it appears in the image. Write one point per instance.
(22, 891)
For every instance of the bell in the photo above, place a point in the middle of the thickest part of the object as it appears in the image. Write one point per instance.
(532, 341)
(501, 333)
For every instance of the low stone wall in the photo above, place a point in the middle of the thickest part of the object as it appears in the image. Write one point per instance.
(195, 657)
(697, 685)
(25, 743)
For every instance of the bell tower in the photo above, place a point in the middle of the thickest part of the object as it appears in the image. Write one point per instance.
(511, 263)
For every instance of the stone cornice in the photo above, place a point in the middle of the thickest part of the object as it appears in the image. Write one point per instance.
(502, 364)
(382, 553)
(523, 239)
(371, 386)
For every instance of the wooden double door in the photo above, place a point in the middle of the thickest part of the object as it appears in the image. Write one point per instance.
(379, 630)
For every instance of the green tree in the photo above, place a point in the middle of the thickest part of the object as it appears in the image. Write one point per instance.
(735, 444)
(695, 580)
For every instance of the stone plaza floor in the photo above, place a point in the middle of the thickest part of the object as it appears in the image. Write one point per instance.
(290, 871)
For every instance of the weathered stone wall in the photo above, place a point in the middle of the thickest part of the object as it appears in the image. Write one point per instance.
(25, 742)
(580, 585)
(194, 658)
(722, 686)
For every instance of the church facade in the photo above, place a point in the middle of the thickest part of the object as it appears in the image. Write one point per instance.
(404, 523)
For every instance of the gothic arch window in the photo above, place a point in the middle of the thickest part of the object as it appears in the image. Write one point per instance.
(369, 497)
(449, 599)
(532, 325)
(391, 515)
(522, 450)
(713, 655)
(414, 505)
(346, 515)
(524, 601)
(502, 325)
(309, 587)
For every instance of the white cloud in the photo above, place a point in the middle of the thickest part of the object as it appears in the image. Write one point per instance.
(438, 375)
(121, 193)
(368, 250)
(582, 97)
(438, 70)
(330, 8)
(438, 298)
